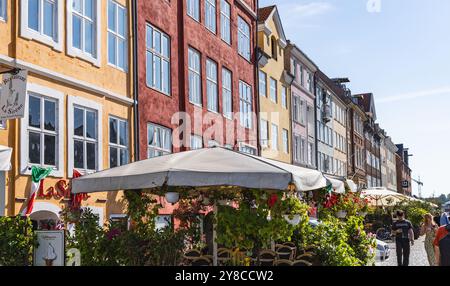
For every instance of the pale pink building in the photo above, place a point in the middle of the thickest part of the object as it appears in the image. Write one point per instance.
(303, 106)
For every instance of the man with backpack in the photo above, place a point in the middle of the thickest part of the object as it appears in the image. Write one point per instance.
(442, 246)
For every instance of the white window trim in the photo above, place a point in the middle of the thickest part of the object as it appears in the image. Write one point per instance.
(211, 63)
(168, 151)
(72, 101)
(50, 93)
(116, 35)
(74, 52)
(213, 3)
(30, 34)
(229, 22)
(193, 16)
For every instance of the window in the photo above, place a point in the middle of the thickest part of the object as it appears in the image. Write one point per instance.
(210, 15)
(162, 222)
(196, 142)
(211, 86)
(193, 9)
(285, 141)
(273, 90)
(117, 40)
(303, 150)
(195, 89)
(284, 97)
(41, 20)
(3, 10)
(118, 142)
(297, 148)
(158, 60)
(225, 21)
(243, 38)
(213, 143)
(262, 83)
(264, 134)
(41, 131)
(245, 98)
(274, 134)
(296, 108)
(274, 48)
(247, 149)
(83, 26)
(85, 138)
(310, 153)
(227, 93)
(159, 140)
(309, 83)
(302, 76)
(303, 112)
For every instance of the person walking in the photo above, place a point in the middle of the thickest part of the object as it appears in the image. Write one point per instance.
(429, 228)
(444, 217)
(404, 235)
(442, 246)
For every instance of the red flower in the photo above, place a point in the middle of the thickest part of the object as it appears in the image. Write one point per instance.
(272, 200)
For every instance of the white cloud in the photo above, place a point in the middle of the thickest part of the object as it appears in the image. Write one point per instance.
(417, 94)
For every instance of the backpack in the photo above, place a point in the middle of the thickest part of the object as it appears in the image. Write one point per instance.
(444, 248)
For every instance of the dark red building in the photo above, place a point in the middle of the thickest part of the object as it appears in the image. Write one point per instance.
(404, 183)
(197, 57)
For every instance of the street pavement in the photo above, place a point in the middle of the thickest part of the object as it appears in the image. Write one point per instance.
(418, 255)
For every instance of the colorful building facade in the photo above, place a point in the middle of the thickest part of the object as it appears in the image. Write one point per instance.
(274, 87)
(78, 108)
(303, 98)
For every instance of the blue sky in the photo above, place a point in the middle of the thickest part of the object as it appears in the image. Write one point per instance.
(401, 53)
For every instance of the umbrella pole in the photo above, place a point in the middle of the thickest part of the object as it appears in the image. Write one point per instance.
(215, 235)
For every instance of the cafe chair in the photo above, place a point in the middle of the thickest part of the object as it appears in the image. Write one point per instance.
(301, 263)
(202, 261)
(282, 262)
(284, 252)
(267, 257)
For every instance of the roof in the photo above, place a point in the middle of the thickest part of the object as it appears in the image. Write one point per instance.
(331, 84)
(366, 101)
(264, 13)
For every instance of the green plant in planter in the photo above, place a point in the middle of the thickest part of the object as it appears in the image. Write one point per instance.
(362, 244)
(17, 241)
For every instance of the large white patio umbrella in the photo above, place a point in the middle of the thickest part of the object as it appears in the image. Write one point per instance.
(383, 197)
(209, 167)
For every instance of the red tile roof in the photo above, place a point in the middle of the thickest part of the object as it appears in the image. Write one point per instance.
(264, 13)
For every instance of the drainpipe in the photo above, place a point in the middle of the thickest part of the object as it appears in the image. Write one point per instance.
(135, 79)
(316, 140)
(257, 105)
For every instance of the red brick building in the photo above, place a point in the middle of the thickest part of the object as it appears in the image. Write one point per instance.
(196, 56)
(404, 182)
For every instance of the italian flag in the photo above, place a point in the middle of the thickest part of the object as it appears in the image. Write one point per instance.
(37, 177)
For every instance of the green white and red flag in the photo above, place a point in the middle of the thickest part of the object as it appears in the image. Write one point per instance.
(37, 177)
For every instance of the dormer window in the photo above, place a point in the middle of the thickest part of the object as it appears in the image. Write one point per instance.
(274, 47)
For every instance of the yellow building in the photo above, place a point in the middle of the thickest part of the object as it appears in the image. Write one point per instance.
(79, 99)
(274, 87)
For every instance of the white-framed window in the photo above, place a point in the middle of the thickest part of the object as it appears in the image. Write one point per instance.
(243, 38)
(158, 60)
(227, 97)
(85, 135)
(310, 154)
(196, 142)
(194, 67)
(193, 9)
(159, 140)
(211, 86)
(284, 100)
(118, 142)
(41, 20)
(274, 136)
(285, 135)
(210, 15)
(42, 134)
(297, 148)
(225, 21)
(162, 222)
(296, 108)
(273, 90)
(303, 112)
(303, 150)
(245, 100)
(302, 76)
(117, 35)
(3, 4)
(84, 30)
(262, 83)
(244, 148)
(264, 133)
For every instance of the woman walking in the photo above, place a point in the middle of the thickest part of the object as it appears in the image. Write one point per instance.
(429, 228)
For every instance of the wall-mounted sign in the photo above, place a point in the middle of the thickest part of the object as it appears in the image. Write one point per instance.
(405, 184)
(50, 249)
(13, 94)
(61, 190)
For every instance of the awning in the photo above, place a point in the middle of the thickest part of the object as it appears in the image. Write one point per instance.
(207, 167)
(5, 158)
(337, 184)
(353, 187)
